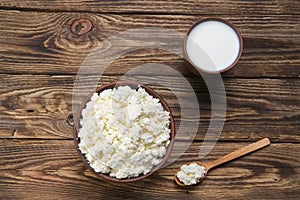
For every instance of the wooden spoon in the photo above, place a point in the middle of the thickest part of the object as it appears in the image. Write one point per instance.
(238, 153)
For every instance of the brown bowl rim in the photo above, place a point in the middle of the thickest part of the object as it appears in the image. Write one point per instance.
(77, 117)
(192, 67)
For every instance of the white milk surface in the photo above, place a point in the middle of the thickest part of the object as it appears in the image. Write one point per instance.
(212, 46)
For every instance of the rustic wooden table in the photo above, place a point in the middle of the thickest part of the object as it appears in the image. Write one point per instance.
(40, 57)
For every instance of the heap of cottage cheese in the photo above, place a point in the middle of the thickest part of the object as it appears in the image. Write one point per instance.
(124, 132)
(191, 174)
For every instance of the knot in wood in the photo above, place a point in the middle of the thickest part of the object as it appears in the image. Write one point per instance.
(70, 119)
(81, 26)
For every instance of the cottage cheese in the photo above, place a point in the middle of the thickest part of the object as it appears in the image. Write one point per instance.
(191, 174)
(124, 132)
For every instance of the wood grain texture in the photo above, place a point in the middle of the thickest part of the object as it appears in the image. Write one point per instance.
(37, 106)
(45, 44)
(39, 60)
(36, 169)
(207, 7)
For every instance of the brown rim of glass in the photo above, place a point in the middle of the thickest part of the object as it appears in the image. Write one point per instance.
(134, 86)
(193, 68)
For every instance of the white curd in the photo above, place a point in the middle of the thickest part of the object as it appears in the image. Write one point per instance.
(191, 174)
(124, 132)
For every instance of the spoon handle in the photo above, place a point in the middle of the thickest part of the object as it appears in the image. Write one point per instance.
(238, 153)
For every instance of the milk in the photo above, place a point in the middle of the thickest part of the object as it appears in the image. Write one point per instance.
(212, 46)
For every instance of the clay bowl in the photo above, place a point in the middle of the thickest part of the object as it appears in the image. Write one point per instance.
(194, 68)
(133, 86)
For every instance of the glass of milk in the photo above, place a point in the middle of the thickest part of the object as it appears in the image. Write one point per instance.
(212, 45)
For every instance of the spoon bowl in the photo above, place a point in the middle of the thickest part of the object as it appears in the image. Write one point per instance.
(201, 179)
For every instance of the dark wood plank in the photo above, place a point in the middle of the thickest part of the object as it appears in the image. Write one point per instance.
(42, 43)
(36, 169)
(204, 7)
(37, 106)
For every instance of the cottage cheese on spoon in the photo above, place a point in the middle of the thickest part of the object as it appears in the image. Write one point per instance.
(191, 174)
